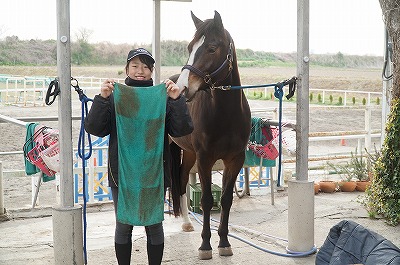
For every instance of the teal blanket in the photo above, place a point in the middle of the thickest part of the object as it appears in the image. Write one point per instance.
(257, 136)
(140, 117)
(30, 168)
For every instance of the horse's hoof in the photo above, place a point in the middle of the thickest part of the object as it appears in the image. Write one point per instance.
(187, 227)
(205, 254)
(226, 251)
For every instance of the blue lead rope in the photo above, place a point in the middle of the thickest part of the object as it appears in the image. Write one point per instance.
(278, 94)
(84, 156)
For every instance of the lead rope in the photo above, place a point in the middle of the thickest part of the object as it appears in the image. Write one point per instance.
(53, 91)
(279, 94)
(84, 156)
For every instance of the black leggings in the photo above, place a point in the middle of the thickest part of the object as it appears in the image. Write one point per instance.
(123, 232)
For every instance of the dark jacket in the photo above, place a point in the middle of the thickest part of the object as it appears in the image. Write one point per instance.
(101, 121)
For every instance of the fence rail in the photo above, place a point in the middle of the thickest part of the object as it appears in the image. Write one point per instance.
(23, 90)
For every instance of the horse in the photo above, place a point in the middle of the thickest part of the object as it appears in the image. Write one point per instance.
(221, 120)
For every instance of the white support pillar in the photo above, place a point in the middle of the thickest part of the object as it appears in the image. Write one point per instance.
(368, 121)
(2, 209)
(67, 235)
(67, 218)
(301, 191)
(300, 216)
(156, 45)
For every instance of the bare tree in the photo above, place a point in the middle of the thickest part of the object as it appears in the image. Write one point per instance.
(83, 35)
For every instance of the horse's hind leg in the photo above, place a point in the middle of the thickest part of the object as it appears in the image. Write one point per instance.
(187, 164)
(231, 170)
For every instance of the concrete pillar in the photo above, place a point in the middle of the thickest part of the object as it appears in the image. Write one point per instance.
(67, 218)
(2, 209)
(156, 45)
(300, 216)
(67, 235)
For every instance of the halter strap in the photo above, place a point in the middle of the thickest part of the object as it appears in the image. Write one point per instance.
(208, 78)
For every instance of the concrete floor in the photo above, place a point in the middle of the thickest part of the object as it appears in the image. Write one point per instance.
(27, 237)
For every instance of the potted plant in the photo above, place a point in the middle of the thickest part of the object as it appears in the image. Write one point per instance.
(356, 168)
(316, 187)
(346, 182)
(327, 186)
(365, 180)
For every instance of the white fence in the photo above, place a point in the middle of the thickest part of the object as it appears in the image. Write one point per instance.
(22, 90)
(31, 91)
(325, 94)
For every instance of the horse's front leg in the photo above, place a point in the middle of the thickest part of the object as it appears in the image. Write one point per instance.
(231, 170)
(205, 250)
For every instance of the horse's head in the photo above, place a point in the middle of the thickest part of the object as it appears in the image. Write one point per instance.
(212, 58)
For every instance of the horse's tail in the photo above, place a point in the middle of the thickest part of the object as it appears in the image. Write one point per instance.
(175, 152)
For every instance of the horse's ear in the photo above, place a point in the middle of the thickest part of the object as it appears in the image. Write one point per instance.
(218, 20)
(196, 20)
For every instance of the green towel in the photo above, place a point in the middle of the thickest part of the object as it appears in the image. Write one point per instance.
(257, 136)
(140, 117)
(30, 168)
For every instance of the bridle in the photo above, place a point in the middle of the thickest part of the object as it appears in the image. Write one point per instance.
(208, 78)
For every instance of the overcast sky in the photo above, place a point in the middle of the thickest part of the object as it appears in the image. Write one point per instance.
(347, 26)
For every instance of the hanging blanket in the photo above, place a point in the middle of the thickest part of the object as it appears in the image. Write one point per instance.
(140, 117)
(30, 168)
(258, 135)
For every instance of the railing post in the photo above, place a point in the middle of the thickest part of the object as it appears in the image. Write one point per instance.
(368, 115)
(90, 178)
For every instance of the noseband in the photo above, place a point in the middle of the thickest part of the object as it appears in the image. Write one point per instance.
(208, 78)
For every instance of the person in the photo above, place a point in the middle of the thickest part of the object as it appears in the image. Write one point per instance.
(101, 121)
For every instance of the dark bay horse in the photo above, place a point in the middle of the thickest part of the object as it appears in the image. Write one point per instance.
(222, 123)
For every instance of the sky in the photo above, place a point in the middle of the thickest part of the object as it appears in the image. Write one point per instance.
(348, 26)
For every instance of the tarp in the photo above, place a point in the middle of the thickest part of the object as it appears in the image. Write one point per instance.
(351, 243)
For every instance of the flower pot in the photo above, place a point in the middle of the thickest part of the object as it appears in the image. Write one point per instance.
(347, 186)
(316, 187)
(362, 185)
(327, 186)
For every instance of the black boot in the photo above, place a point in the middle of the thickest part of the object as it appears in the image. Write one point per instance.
(155, 253)
(123, 253)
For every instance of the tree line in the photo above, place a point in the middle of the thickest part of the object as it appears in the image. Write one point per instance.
(14, 51)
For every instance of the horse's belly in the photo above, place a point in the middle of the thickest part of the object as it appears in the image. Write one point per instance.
(184, 142)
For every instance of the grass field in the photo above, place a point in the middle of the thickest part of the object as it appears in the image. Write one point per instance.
(320, 77)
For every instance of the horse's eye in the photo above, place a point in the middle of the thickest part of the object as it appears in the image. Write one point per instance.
(212, 49)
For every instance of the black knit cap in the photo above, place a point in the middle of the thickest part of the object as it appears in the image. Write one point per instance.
(139, 51)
